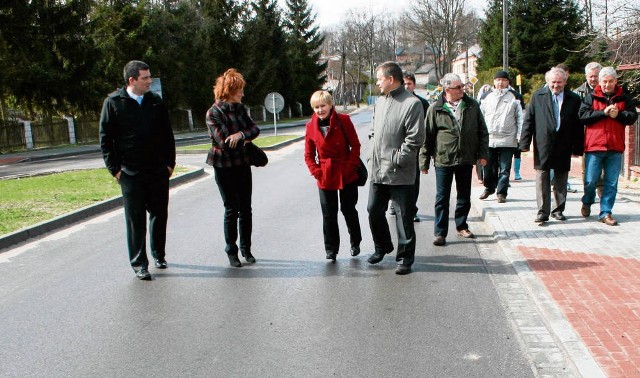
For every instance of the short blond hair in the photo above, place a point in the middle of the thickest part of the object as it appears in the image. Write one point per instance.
(321, 97)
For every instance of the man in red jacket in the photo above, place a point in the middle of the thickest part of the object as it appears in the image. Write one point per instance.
(605, 112)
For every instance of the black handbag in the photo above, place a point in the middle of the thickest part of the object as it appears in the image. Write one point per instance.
(257, 157)
(363, 174)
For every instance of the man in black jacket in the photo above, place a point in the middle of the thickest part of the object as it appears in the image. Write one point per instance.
(139, 151)
(552, 124)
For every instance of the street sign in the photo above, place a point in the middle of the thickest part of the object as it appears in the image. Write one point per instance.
(473, 80)
(274, 102)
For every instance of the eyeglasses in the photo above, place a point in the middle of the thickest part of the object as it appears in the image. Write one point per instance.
(458, 87)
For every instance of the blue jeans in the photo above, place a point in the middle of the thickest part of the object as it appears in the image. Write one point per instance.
(595, 163)
(444, 179)
(498, 168)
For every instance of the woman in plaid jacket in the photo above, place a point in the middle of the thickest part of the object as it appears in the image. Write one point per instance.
(230, 127)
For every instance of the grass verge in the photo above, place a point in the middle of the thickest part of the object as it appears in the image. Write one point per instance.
(266, 141)
(31, 200)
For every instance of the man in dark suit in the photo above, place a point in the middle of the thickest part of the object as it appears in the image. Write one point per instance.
(139, 151)
(552, 122)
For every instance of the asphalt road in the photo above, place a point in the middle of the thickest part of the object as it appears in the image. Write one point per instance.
(70, 304)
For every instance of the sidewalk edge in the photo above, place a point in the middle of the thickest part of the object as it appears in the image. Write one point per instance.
(570, 342)
(80, 215)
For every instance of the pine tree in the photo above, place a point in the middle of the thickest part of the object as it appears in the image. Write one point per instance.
(490, 37)
(263, 61)
(304, 44)
(545, 33)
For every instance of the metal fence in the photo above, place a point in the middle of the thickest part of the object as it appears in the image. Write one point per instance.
(11, 136)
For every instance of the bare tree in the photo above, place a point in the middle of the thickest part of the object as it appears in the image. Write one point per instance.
(440, 24)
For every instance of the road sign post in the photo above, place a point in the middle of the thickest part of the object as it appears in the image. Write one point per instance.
(274, 102)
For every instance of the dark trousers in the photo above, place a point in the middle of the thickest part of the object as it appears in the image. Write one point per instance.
(416, 186)
(498, 168)
(329, 205)
(444, 179)
(404, 203)
(146, 191)
(235, 187)
(543, 191)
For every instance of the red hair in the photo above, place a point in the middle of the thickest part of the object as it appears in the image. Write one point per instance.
(228, 84)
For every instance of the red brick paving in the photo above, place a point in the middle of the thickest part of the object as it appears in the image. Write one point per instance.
(600, 297)
(10, 160)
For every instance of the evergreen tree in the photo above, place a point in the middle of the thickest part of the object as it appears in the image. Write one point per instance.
(490, 37)
(263, 61)
(304, 48)
(545, 33)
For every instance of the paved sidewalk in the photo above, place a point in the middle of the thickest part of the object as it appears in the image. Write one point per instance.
(591, 271)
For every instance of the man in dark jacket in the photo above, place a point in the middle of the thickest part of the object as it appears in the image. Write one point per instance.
(605, 112)
(456, 139)
(139, 151)
(410, 86)
(552, 122)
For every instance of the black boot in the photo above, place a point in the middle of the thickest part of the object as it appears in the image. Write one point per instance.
(234, 261)
(248, 256)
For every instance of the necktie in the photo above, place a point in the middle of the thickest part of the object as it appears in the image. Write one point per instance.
(139, 99)
(556, 111)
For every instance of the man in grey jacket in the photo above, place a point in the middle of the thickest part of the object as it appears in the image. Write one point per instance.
(502, 113)
(398, 133)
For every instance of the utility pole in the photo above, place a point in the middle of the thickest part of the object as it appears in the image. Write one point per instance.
(505, 37)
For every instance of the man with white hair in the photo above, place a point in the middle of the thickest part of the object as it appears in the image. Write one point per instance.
(456, 139)
(552, 123)
(591, 72)
(605, 112)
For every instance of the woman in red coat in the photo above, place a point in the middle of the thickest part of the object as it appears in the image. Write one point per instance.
(332, 153)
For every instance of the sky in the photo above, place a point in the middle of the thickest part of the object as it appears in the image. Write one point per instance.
(331, 12)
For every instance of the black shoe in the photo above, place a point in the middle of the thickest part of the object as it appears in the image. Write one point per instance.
(332, 256)
(403, 269)
(541, 219)
(355, 251)
(558, 216)
(143, 274)
(376, 257)
(161, 263)
(234, 261)
(486, 194)
(416, 219)
(248, 256)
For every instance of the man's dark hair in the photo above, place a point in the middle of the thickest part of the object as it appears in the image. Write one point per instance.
(132, 69)
(391, 69)
(410, 76)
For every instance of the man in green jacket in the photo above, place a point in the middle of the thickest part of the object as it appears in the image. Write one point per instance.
(456, 138)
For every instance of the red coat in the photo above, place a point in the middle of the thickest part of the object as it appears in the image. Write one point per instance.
(328, 157)
(603, 133)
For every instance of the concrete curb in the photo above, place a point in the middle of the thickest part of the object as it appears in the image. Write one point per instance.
(558, 326)
(268, 148)
(80, 215)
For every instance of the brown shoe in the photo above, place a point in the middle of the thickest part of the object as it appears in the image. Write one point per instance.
(486, 194)
(585, 210)
(502, 198)
(608, 220)
(439, 240)
(466, 234)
